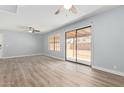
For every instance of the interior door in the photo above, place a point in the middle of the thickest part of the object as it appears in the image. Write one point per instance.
(71, 46)
(84, 45)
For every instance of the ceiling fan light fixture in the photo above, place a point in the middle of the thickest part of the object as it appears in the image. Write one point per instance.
(67, 6)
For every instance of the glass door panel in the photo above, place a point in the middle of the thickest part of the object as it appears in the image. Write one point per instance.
(84, 45)
(71, 46)
(78, 46)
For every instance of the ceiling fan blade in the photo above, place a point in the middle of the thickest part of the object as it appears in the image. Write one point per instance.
(36, 31)
(27, 30)
(23, 27)
(59, 10)
(73, 9)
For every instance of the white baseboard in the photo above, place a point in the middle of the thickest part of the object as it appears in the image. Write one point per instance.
(54, 57)
(109, 70)
(20, 56)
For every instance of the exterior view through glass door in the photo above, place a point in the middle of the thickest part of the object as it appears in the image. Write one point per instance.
(71, 46)
(78, 45)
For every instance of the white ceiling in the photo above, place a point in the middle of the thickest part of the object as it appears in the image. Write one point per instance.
(42, 17)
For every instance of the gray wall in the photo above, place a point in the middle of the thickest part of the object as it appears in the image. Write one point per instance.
(107, 35)
(21, 43)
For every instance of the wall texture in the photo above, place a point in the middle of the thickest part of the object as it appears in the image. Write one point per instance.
(21, 43)
(107, 36)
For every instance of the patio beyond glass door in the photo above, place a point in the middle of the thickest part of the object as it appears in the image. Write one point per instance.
(84, 45)
(71, 46)
(78, 45)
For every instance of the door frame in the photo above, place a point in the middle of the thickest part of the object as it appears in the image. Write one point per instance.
(76, 46)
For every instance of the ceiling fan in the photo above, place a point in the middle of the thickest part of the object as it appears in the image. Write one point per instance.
(29, 29)
(32, 30)
(70, 8)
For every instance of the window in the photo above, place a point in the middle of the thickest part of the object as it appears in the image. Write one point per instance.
(51, 42)
(54, 42)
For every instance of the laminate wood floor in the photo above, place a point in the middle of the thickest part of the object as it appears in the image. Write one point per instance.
(42, 71)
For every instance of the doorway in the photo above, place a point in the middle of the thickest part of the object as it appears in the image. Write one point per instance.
(78, 45)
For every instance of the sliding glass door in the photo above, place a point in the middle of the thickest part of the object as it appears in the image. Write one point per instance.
(84, 45)
(71, 46)
(78, 45)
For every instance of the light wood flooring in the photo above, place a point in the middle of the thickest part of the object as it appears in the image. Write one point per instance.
(41, 71)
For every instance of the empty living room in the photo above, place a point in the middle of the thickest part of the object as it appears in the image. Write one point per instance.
(61, 45)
